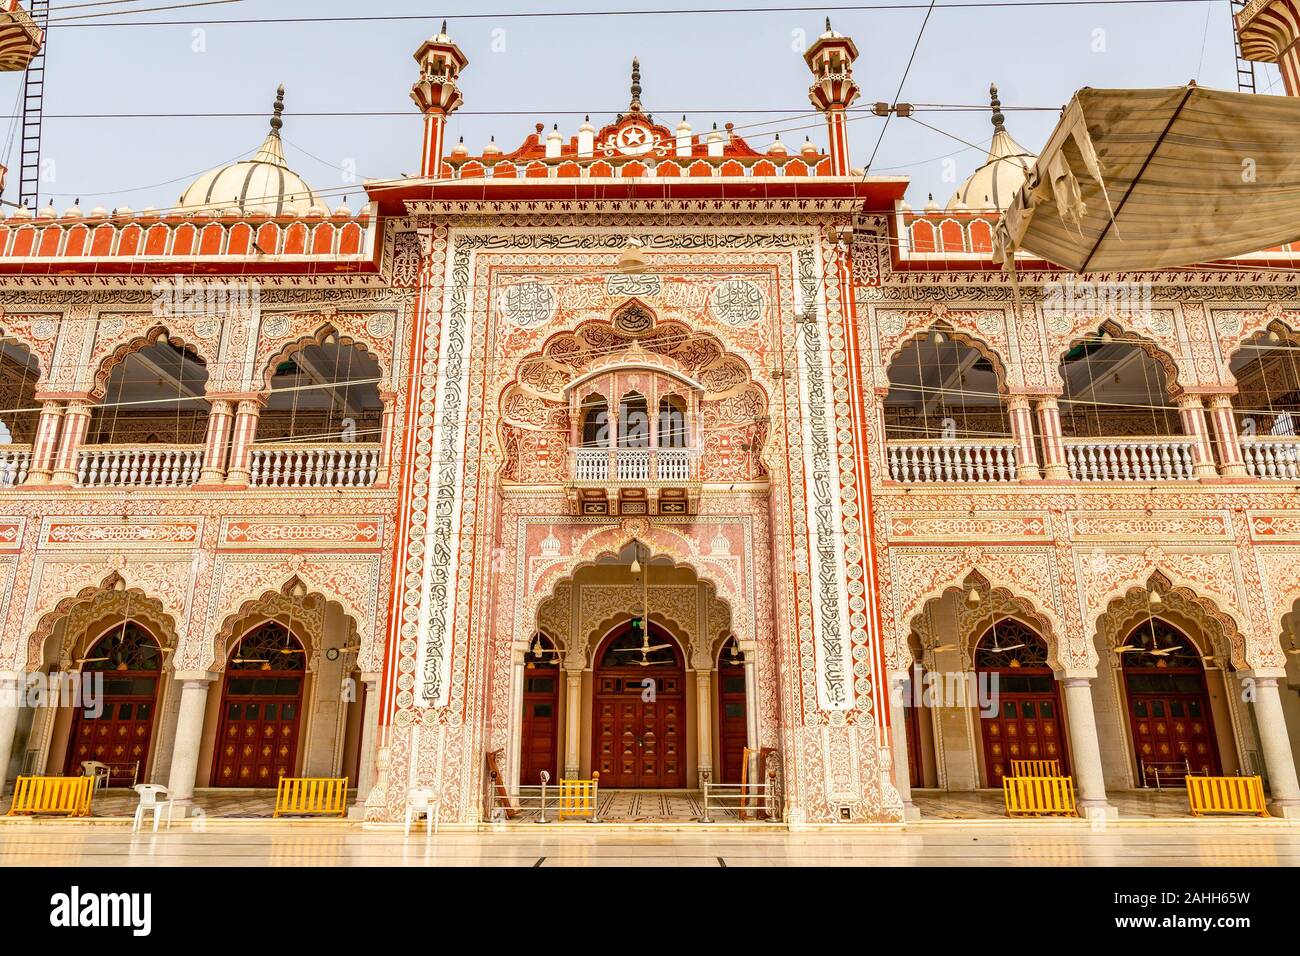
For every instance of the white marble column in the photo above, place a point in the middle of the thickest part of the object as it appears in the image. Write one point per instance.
(704, 726)
(1085, 752)
(572, 722)
(750, 650)
(898, 743)
(9, 700)
(1284, 791)
(516, 720)
(369, 740)
(189, 740)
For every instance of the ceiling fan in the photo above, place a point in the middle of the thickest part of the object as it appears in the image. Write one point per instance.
(999, 648)
(641, 616)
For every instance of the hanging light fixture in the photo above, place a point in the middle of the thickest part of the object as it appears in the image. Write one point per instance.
(635, 567)
(973, 596)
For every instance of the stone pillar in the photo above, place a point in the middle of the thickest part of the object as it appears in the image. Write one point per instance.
(368, 742)
(898, 743)
(704, 725)
(241, 442)
(1085, 752)
(386, 438)
(750, 650)
(214, 451)
(1191, 410)
(1284, 791)
(189, 739)
(572, 722)
(1022, 429)
(1049, 426)
(76, 422)
(9, 701)
(514, 769)
(45, 443)
(1231, 462)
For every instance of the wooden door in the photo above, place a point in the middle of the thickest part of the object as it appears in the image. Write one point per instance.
(1170, 728)
(912, 729)
(639, 738)
(259, 741)
(733, 726)
(118, 734)
(1027, 727)
(540, 740)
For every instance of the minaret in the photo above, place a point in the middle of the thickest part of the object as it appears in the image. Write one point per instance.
(833, 91)
(1269, 32)
(437, 95)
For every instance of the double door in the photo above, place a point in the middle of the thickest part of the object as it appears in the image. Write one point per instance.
(640, 732)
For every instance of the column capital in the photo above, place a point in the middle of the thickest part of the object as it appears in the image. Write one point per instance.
(195, 678)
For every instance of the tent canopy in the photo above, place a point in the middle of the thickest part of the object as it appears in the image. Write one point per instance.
(1136, 180)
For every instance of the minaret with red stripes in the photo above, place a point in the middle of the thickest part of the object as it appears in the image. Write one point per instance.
(437, 95)
(1269, 31)
(833, 91)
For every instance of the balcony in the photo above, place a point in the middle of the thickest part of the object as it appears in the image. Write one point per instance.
(14, 462)
(1129, 459)
(139, 466)
(634, 480)
(347, 465)
(952, 460)
(1270, 457)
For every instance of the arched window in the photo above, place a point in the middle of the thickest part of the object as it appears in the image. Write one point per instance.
(672, 422)
(268, 647)
(18, 408)
(154, 396)
(1114, 389)
(1267, 372)
(633, 422)
(941, 388)
(595, 422)
(128, 647)
(325, 392)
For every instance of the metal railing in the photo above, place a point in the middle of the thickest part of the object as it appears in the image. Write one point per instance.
(139, 466)
(528, 799)
(741, 801)
(955, 460)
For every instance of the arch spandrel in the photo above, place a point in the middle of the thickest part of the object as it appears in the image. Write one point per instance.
(119, 337)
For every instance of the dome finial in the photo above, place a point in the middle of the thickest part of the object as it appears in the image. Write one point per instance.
(998, 118)
(828, 25)
(635, 106)
(276, 122)
(443, 29)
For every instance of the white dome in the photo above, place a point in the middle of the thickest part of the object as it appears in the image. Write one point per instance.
(995, 183)
(263, 184)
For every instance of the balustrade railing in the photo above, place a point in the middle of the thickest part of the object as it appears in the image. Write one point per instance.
(1129, 459)
(139, 466)
(1269, 457)
(348, 465)
(960, 460)
(14, 462)
(634, 464)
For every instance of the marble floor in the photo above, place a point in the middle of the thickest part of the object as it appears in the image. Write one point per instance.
(987, 804)
(305, 844)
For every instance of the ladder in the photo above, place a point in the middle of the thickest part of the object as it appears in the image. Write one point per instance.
(1245, 68)
(29, 182)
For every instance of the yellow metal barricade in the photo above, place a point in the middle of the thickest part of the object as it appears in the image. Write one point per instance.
(578, 797)
(312, 796)
(1039, 796)
(1035, 768)
(1226, 795)
(70, 796)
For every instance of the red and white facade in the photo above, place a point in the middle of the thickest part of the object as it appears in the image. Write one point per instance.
(639, 342)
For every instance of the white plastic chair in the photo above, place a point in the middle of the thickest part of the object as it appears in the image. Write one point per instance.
(153, 796)
(100, 771)
(420, 800)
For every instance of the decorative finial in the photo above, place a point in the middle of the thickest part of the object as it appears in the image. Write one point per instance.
(828, 25)
(443, 31)
(635, 106)
(998, 118)
(276, 122)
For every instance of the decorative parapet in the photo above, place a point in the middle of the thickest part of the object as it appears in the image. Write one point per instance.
(125, 238)
(701, 167)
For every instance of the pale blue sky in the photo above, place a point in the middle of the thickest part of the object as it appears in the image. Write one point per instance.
(710, 66)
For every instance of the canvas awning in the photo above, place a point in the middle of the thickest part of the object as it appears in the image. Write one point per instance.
(1135, 180)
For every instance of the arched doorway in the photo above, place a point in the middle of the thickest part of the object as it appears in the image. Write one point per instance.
(1027, 725)
(540, 731)
(118, 731)
(1169, 715)
(639, 737)
(733, 728)
(261, 709)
